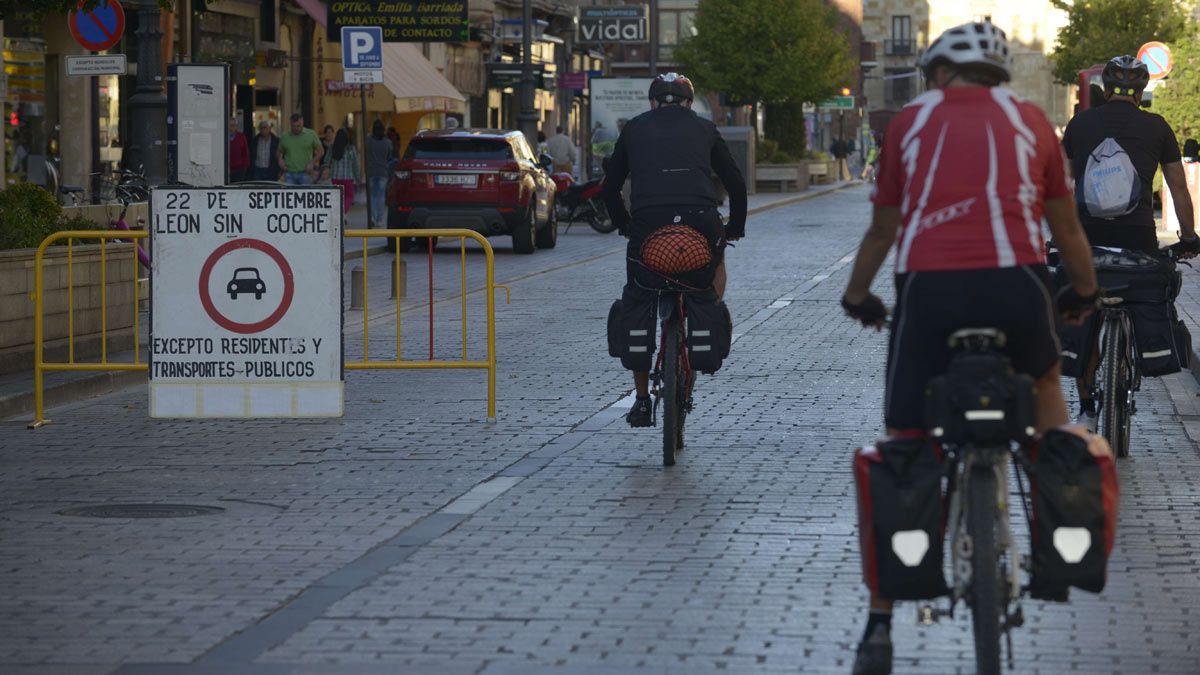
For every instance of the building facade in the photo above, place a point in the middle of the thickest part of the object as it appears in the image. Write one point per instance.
(898, 31)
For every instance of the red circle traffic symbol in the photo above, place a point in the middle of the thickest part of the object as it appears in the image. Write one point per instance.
(100, 28)
(289, 286)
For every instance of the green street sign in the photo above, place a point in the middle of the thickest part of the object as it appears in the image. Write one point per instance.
(837, 103)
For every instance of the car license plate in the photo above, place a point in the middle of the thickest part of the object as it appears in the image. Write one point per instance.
(456, 179)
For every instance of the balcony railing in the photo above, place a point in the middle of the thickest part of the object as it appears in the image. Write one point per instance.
(900, 47)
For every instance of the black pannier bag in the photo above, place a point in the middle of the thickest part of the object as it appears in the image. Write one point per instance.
(615, 315)
(980, 400)
(901, 517)
(1147, 286)
(638, 318)
(1155, 336)
(1183, 341)
(1075, 492)
(709, 331)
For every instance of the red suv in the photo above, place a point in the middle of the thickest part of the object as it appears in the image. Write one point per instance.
(478, 179)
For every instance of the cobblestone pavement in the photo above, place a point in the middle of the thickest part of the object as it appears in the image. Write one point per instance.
(410, 537)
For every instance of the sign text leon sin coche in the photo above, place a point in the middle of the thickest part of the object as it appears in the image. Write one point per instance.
(301, 212)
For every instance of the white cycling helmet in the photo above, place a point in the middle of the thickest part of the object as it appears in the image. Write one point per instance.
(978, 44)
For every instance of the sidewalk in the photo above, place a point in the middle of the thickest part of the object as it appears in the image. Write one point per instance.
(17, 390)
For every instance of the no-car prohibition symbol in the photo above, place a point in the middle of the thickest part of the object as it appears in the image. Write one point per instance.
(289, 286)
(99, 28)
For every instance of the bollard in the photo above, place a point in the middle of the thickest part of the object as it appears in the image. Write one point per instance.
(356, 288)
(403, 279)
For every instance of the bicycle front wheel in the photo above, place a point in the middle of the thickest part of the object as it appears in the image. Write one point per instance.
(985, 569)
(672, 396)
(1116, 372)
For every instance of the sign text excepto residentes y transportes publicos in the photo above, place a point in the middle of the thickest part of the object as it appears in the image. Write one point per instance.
(246, 302)
(402, 20)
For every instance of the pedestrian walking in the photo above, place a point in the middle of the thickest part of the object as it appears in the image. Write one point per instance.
(379, 153)
(264, 148)
(239, 153)
(840, 152)
(343, 168)
(562, 151)
(300, 153)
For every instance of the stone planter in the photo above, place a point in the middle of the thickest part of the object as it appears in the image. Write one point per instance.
(17, 306)
(784, 177)
(822, 171)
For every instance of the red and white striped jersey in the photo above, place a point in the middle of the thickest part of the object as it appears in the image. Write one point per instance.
(970, 169)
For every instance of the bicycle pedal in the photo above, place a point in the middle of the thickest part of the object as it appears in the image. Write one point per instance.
(927, 615)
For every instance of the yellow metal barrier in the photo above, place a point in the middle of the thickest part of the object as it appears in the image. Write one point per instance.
(489, 363)
(40, 367)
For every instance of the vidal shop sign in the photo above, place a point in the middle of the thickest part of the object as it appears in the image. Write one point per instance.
(612, 25)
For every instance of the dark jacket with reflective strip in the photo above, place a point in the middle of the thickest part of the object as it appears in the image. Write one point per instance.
(670, 155)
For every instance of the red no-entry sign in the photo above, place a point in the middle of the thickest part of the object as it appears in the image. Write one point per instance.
(99, 28)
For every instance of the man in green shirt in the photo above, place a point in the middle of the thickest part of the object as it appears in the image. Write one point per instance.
(299, 153)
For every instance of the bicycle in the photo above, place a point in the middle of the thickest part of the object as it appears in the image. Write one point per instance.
(1120, 377)
(979, 446)
(672, 379)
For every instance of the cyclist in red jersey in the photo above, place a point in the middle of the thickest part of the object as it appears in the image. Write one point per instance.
(967, 225)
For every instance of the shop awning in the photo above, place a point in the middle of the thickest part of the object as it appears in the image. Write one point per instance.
(407, 74)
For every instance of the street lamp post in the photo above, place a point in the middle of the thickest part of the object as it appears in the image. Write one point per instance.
(527, 119)
(148, 105)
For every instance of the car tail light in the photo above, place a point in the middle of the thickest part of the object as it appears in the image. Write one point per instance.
(510, 172)
(403, 174)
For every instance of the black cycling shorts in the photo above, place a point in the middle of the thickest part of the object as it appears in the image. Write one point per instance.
(646, 220)
(932, 305)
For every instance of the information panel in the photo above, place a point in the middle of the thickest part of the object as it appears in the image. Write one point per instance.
(246, 302)
(402, 20)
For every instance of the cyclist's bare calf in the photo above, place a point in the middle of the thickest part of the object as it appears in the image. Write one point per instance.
(641, 379)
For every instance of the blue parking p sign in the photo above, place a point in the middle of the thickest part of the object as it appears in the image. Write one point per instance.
(362, 48)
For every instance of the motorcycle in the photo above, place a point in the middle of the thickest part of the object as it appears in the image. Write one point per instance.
(582, 201)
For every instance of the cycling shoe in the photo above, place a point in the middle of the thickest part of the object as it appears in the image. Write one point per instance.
(875, 654)
(642, 413)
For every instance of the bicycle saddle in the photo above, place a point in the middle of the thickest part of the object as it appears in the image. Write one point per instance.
(977, 338)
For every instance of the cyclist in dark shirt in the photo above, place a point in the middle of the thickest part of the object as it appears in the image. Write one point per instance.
(1149, 142)
(669, 155)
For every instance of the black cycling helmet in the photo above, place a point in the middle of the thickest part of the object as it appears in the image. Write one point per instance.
(1125, 76)
(671, 88)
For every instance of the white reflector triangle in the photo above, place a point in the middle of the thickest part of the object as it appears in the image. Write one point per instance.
(910, 546)
(1072, 543)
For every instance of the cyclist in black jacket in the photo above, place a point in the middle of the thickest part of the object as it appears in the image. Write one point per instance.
(669, 154)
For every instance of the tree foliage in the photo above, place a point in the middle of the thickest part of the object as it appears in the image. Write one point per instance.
(1178, 99)
(767, 51)
(1098, 30)
(785, 125)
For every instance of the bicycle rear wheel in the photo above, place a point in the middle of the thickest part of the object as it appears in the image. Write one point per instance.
(986, 605)
(672, 395)
(1116, 372)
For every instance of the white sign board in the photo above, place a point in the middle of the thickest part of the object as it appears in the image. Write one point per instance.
(198, 124)
(246, 302)
(88, 65)
(615, 101)
(363, 76)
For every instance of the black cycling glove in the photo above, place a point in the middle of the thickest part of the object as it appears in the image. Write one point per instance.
(871, 311)
(735, 230)
(1071, 305)
(1187, 246)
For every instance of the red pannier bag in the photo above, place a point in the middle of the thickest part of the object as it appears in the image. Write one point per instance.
(1075, 492)
(901, 517)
